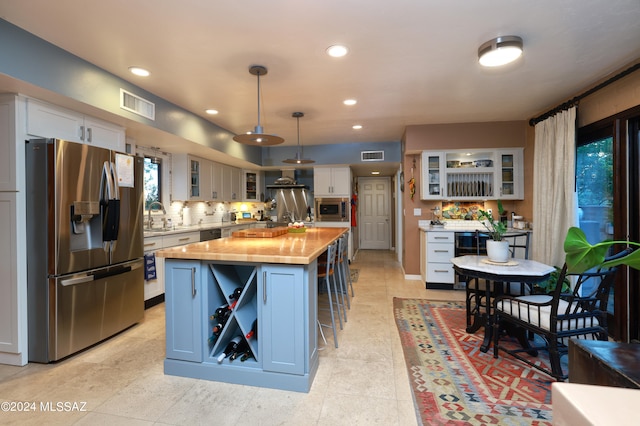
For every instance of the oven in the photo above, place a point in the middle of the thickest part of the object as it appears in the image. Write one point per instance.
(331, 210)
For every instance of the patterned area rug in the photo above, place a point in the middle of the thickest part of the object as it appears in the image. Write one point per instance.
(453, 383)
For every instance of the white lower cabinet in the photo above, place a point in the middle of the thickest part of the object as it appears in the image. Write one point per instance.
(439, 249)
(156, 287)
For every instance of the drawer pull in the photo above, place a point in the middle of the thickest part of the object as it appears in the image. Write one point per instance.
(440, 238)
(149, 244)
(184, 239)
(441, 251)
(440, 270)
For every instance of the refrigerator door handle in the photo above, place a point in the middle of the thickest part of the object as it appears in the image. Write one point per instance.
(112, 272)
(77, 280)
(115, 186)
(107, 175)
(110, 204)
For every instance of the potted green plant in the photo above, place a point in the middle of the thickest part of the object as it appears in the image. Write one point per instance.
(549, 285)
(502, 212)
(496, 228)
(497, 248)
(582, 256)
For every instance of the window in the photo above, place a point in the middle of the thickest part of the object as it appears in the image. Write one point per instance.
(594, 184)
(594, 181)
(152, 181)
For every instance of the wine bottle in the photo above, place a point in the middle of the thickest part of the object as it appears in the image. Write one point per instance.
(254, 330)
(220, 311)
(242, 347)
(231, 347)
(246, 356)
(236, 294)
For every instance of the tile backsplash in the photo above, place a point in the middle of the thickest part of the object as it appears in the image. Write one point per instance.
(205, 212)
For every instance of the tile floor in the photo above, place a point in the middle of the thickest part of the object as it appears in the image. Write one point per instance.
(121, 381)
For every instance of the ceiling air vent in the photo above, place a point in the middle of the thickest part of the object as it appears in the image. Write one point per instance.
(137, 105)
(372, 156)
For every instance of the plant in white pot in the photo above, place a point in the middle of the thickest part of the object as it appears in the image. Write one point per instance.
(497, 247)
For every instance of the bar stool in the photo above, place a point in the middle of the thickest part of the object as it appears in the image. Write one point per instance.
(327, 276)
(344, 268)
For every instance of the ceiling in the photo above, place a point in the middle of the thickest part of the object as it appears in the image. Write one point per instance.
(410, 62)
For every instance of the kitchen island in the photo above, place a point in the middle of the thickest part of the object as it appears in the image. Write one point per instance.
(276, 280)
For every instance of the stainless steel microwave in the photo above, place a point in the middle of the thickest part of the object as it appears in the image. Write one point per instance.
(331, 210)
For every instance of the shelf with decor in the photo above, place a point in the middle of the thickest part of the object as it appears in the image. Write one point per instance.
(472, 174)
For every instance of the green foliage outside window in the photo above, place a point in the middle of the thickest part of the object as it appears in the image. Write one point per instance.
(151, 182)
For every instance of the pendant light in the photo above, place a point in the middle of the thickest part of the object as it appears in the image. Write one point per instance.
(298, 159)
(258, 137)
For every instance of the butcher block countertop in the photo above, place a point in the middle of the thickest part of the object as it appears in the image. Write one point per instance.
(290, 248)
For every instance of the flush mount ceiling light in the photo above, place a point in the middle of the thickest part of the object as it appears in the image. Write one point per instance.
(258, 137)
(298, 159)
(349, 102)
(211, 111)
(500, 51)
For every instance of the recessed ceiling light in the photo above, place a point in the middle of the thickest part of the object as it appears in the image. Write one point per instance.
(375, 172)
(350, 102)
(357, 127)
(212, 111)
(141, 72)
(337, 51)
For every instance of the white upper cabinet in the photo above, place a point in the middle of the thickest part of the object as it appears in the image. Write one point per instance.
(486, 174)
(191, 178)
(231, 183)
(251, 185)
(510, 174)
(332, 181)
(198, 179)
(433, 172)
(50, 121)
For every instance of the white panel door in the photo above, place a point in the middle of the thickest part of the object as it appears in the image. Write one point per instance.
(375, 213)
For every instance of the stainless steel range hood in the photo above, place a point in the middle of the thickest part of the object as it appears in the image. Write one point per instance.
(287, 180)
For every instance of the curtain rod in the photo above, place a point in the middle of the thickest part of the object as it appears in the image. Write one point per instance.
(576, 100)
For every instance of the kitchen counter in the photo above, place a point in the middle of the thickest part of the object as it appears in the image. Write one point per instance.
(277, 278)
(196, 228)
(291, 248)
(459, 226)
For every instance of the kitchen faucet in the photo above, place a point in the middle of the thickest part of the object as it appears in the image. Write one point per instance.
(161, 207)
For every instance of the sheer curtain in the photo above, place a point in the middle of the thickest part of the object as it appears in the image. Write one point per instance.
(554, 196)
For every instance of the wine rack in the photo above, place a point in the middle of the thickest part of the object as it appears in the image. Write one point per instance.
(222, 281)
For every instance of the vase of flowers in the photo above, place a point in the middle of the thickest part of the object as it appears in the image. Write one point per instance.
(497, 247)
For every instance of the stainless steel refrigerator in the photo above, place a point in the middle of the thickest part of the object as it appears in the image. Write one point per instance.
(85, 278)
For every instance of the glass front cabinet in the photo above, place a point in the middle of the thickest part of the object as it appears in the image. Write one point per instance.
(433, 171)
(251, 181)
(473, 174)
